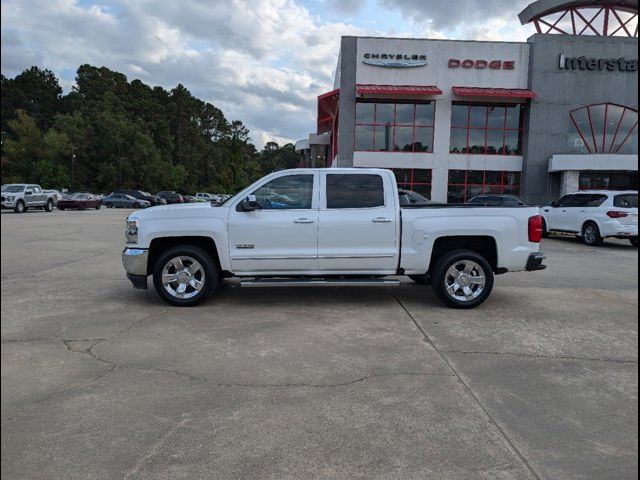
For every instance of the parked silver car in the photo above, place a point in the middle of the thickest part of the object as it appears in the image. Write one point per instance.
(124, 201)
(19, 197)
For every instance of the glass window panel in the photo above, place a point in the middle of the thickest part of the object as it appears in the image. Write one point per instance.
(384, 113)
(494, 178)
(403, 175)
(457, 176)
(476, 140)
(590, 181)
(384, 135)
(289, 192)
(478, 116)
(630, 145)
(458, 140)
(455, 194)
(424, 113)
(513, 190)
(354, 191)
(403, 139)
(581, 119)
(364, 137)
(494, 142)
(492, 189)
(513, 116)
(614, 115)
(364, 112)
(511, 179)
(496, 117)
(424, 190)
(459, 115)
(597, 122)
(423, 139)
(512, 144)
(596, 200)
(472, 191)
(404, 114)
(475, 176)
(422, 175)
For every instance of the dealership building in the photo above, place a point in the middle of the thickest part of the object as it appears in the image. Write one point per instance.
(455, 119)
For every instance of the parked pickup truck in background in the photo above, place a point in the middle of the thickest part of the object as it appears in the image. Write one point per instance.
(19, 197)
(329, 227)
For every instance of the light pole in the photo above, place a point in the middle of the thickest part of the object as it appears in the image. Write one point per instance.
(73, 168)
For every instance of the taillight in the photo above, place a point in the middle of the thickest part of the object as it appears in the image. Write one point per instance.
(614, 214)
(535, 229)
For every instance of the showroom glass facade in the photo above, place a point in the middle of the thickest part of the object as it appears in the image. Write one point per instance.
(608, 181)
(393, 126)
(416, 179)
(466, 184)
(490, 129)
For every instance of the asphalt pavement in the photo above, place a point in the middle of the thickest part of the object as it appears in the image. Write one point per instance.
(102, 381)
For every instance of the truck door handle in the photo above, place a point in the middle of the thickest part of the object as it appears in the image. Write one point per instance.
(382, 220)
(303, 220)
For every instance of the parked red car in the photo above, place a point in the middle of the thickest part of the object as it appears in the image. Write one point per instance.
(80, 201)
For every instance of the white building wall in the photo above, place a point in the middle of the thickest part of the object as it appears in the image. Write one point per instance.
(437, 73)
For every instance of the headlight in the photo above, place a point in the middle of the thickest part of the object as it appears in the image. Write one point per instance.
(10, 198)
(131, 232)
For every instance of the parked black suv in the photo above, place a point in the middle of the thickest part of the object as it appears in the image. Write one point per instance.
(140, 195)
(171, 197)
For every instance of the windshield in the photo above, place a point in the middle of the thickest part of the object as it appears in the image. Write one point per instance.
(626, 201)
(146, 194)
(12, 188)
(78, 195)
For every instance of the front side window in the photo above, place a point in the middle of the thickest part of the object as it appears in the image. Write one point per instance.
(289, 192)
(466, 184)
(574, 201)
(399, 127)
(492, 129)
(354, 191)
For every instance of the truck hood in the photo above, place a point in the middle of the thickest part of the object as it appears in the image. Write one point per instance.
(179, 210)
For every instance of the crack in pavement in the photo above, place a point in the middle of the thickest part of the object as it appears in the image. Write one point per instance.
(470, 391)
(547, 357)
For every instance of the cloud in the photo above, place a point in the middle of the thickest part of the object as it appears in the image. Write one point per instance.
(261, 61)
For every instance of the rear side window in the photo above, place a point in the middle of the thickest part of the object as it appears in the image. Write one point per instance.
(596, 200)
(625, 201)
(574, 201)
(354, 191)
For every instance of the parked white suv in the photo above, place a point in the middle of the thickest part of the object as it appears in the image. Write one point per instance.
(594, 215)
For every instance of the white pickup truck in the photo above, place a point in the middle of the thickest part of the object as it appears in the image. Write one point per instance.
(329, 227)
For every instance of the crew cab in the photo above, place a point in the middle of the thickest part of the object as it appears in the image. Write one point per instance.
(19, 197)
(331, 226)
(594, 215)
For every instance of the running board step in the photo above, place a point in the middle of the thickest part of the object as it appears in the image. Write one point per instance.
(288, 282)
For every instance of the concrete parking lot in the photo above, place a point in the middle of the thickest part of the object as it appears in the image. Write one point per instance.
(103, 381)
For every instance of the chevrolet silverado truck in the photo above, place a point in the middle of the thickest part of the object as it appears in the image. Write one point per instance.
(334, 226)
(19, 197)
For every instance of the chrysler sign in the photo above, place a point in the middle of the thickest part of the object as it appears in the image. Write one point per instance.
(598, 64)
(393, 60)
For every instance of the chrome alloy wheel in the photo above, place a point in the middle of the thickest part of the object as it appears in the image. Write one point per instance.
(183, 277)
(465, 280)
(590, 234)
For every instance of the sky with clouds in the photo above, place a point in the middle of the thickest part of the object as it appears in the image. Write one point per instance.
(261, 61)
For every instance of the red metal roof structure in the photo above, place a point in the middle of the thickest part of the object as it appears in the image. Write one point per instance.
(608, 18)
(327, 110)
(493, 92)
(415, 90)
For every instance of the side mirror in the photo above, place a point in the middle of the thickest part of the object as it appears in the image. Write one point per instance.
(249, 204)
(554, 204)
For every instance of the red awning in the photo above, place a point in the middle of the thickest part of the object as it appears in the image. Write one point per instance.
(493, 92)
(397, 90)
(327, 110)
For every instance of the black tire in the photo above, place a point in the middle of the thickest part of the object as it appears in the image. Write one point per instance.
(545, 232)
(98, 207)
(20, 207)
(109, 205)
(634, 241)
(49, 206)
(440, 278)
(421, 279)
(137, 205)
(82, 207)
(590, 235)
(61, 208)
(210, 273)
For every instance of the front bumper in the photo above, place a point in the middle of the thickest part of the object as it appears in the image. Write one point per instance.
(135, 261)
(8, 205)
(534, 262)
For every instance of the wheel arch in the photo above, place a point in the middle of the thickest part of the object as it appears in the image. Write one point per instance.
(484, 245)
(162, 244)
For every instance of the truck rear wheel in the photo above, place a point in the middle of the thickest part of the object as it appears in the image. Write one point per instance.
(462, 279)
(185, 275)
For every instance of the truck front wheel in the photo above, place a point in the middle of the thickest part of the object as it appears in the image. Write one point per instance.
(462, 279)
(20, 207)
(49, 206)
(185, 275)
